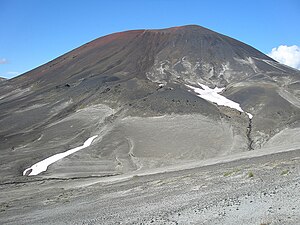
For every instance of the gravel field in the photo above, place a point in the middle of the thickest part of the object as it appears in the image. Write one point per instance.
(260, 190)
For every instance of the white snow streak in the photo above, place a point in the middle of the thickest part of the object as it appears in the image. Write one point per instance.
(213, 95)
(43, 165)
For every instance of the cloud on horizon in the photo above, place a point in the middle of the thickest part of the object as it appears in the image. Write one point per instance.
(3, 61)
(13, 73)
(288, 55)
(9, 74)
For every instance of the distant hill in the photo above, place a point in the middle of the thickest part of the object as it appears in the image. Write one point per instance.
(154, 98)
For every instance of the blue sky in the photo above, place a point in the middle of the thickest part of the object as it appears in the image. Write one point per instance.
(34, 32)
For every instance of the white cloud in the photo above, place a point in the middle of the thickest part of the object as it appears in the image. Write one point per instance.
(288, 55)
(9, 74)
(3, 61)
(12, 73)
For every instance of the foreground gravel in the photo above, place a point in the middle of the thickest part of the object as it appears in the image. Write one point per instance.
(262, 190)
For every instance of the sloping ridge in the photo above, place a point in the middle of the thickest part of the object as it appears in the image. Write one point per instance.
(133, 52)
(132, 90)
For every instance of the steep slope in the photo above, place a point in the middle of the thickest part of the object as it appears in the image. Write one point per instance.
(136, 91)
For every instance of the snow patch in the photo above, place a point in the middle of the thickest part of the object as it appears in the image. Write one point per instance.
(213, 95)
(249, 115)
(43, 165)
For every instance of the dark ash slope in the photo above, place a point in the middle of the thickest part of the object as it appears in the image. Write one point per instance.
(130, 89)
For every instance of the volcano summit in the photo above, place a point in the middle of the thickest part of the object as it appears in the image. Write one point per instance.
(153, 104)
